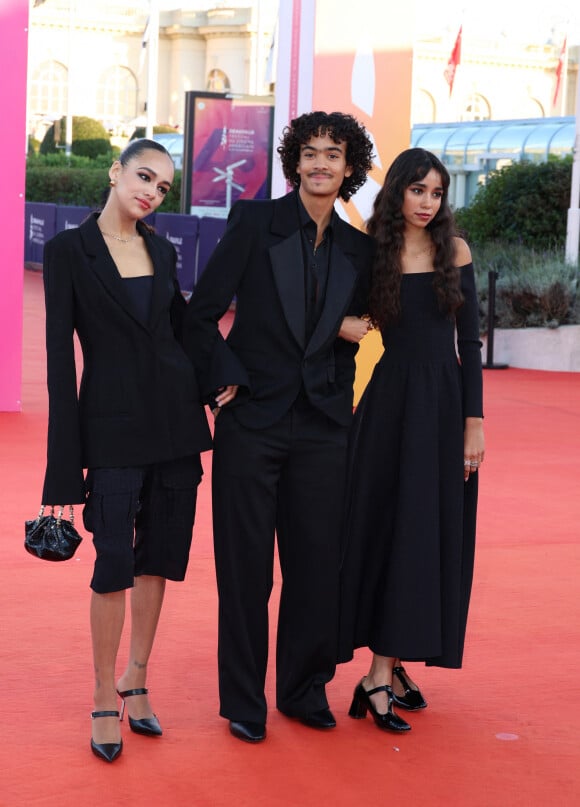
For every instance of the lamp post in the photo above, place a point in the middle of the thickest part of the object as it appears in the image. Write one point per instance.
(71, 76)
(152, 67)
(489, 362)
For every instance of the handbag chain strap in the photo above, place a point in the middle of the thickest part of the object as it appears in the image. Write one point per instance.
(59, 513)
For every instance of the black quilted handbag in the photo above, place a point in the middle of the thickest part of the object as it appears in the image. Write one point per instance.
(51, 537)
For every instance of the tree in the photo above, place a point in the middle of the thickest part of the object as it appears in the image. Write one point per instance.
(524, 203)
(89, 137)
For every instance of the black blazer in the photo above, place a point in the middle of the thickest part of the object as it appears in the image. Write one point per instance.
(139, 401)
(260, 261)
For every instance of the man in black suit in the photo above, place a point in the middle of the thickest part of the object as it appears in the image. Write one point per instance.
(282, 384)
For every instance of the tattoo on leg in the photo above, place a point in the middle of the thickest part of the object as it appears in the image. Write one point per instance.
(139, 665)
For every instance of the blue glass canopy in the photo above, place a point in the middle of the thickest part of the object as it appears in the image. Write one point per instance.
(471, 143)
(470, 150)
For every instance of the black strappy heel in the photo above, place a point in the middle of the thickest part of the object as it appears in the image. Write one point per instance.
(107, 751)
(412, 699)
(144, 725)
(362, 703)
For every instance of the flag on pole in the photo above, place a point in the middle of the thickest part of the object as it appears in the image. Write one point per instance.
(559, 70)
(454, 60)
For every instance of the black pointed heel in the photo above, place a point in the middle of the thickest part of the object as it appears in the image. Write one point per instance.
(107, 751)
(412, 699)
(144, 725)
(361, 703)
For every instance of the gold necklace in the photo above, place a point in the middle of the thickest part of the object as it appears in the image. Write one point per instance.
(428, 248)
(118, 237)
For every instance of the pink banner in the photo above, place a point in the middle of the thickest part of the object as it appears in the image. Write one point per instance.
(13, 58)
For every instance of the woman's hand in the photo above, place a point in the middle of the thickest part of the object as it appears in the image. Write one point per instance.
(473, 446)
(225, 396)
(353, 329)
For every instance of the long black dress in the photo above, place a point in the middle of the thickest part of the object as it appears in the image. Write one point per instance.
(410, 517)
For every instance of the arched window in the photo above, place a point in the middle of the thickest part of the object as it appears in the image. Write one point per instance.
(535, 109)
(48, 91)
(217, 81)
(477, 108)
(423, 107)
(116, 96)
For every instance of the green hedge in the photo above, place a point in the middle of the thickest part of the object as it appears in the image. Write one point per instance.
(524, 203)
(68, 186)
(80, 185)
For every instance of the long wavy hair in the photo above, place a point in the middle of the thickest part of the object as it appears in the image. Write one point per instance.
(387, 226)
(339, 127)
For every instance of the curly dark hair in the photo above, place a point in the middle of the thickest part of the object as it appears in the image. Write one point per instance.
(340, 127)
(387, 226)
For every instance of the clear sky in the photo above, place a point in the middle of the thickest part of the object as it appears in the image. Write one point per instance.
(537, 21)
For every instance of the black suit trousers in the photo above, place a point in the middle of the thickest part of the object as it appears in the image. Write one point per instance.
(288, 480)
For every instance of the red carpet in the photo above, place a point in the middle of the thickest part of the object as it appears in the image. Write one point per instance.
(502, 731)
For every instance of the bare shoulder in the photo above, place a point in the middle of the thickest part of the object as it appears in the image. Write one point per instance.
(462, 252)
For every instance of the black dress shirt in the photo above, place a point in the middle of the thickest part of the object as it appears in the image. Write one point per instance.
(316, 267)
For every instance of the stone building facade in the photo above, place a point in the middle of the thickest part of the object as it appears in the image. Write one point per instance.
(97, 52)
(495, 80)
(95, 55)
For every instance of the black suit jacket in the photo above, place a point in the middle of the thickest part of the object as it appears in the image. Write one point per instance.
(260, 261)
(139, 401)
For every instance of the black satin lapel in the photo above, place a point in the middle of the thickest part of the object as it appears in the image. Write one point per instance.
(288, 269)
(341, 280)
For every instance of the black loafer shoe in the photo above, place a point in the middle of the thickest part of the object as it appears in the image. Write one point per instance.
(324, 719)
(248, 731)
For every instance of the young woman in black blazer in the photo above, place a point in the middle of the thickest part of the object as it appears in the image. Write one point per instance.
(136, 422)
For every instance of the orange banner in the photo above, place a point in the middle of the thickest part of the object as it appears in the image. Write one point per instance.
(363, 65)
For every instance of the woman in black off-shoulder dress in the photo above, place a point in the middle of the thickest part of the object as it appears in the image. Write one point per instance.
(416, 446)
